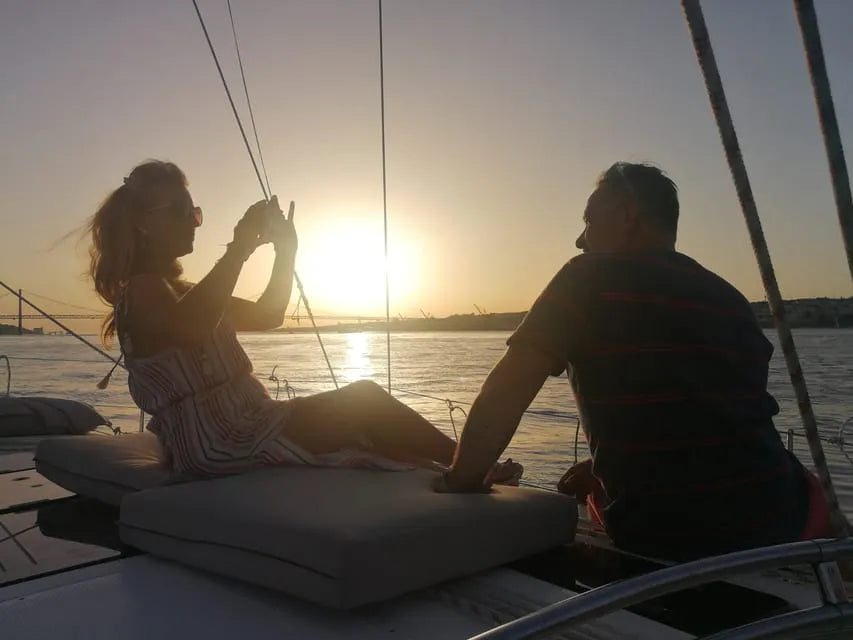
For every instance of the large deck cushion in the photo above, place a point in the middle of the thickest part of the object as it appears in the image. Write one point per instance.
(38, 416)
(103, 467)
(343, 537)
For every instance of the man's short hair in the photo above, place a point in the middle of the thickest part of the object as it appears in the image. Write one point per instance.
(654, 193)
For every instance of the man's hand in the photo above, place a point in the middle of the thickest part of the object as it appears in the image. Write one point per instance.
(507, 472)
(445, 484)
(578, 481)
(507, 392)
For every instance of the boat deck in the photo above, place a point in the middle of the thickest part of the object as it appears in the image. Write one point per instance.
(65, 547)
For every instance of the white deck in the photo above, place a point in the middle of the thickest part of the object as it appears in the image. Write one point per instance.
(142, 598)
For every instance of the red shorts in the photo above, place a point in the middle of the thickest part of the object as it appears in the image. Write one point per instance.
(817, 520)
(595, 502)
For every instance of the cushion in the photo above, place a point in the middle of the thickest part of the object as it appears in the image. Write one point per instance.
(342, 537)
(103, 467)
(35, 416)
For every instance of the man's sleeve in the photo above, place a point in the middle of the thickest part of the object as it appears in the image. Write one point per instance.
(555, 324)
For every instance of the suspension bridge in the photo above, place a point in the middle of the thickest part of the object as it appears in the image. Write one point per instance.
(61, 310)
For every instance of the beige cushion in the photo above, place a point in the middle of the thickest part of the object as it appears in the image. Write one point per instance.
(103, 467)
(343, 537)
(36, 416)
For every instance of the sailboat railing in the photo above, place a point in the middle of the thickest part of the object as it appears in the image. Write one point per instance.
(828, 619)
(839, 439)
(821, 554)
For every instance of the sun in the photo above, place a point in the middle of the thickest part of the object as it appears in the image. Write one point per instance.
(342, 267)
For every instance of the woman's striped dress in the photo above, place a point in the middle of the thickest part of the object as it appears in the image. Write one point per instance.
(212, 416)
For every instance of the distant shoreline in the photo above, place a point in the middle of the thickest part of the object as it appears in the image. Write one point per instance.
(469, 322)
(803, 313)
(12, 330)
(807, 313)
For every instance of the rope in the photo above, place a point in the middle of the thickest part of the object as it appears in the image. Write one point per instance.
(37, 359)
(385, 197)
(728, 136)
(451, 404)
(550, 413)
(255, 166)
(62, 326)
(451, 407)
(828, 123)
(231, 100)
(526, 483)
(248, 100)
(290, 391)
(295, 314)
(314, 325)
(577, 433)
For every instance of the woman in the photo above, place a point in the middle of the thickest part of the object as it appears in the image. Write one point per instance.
(186, 367)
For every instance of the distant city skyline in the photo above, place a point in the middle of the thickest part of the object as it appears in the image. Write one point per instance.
(801, 312)
(499, 117)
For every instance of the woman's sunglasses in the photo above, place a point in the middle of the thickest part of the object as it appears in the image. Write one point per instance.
(192, 212)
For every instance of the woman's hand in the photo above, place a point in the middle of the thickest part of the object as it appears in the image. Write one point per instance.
(249, 230)
(282, 232)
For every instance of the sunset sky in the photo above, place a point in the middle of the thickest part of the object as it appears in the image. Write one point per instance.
(499, 116)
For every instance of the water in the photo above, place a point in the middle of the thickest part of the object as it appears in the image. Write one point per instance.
(444, 366)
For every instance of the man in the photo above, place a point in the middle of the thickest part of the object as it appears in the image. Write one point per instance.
(669, 371)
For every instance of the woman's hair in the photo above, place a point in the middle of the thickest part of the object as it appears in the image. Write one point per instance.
(117, 244)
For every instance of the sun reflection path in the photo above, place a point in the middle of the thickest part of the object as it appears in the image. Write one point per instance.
(358, 364)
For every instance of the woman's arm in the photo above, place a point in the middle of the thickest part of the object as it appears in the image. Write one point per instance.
(160, 317)
(268, 312)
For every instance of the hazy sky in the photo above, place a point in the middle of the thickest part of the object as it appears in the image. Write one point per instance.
(499, 116)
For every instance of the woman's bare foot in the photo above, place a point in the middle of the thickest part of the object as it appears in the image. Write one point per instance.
(507, 472)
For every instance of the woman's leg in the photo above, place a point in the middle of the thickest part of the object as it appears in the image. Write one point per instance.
(362, 415)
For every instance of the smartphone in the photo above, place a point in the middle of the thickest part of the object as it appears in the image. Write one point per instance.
(266, 231)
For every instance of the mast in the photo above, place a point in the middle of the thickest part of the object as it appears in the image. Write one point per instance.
(807, 18)
(728, 136)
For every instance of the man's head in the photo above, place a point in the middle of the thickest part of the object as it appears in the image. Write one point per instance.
(634, 207)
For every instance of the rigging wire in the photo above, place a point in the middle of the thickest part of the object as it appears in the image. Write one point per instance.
(230, 100)
(385, 194)
(728, 136)
(115, 361)
(807, 18)
(248, 100)
(258, 173)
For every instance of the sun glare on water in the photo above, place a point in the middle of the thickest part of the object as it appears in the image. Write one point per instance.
(358, 364)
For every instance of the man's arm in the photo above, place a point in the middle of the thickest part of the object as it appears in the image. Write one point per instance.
(544, 342)
(507, 392)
